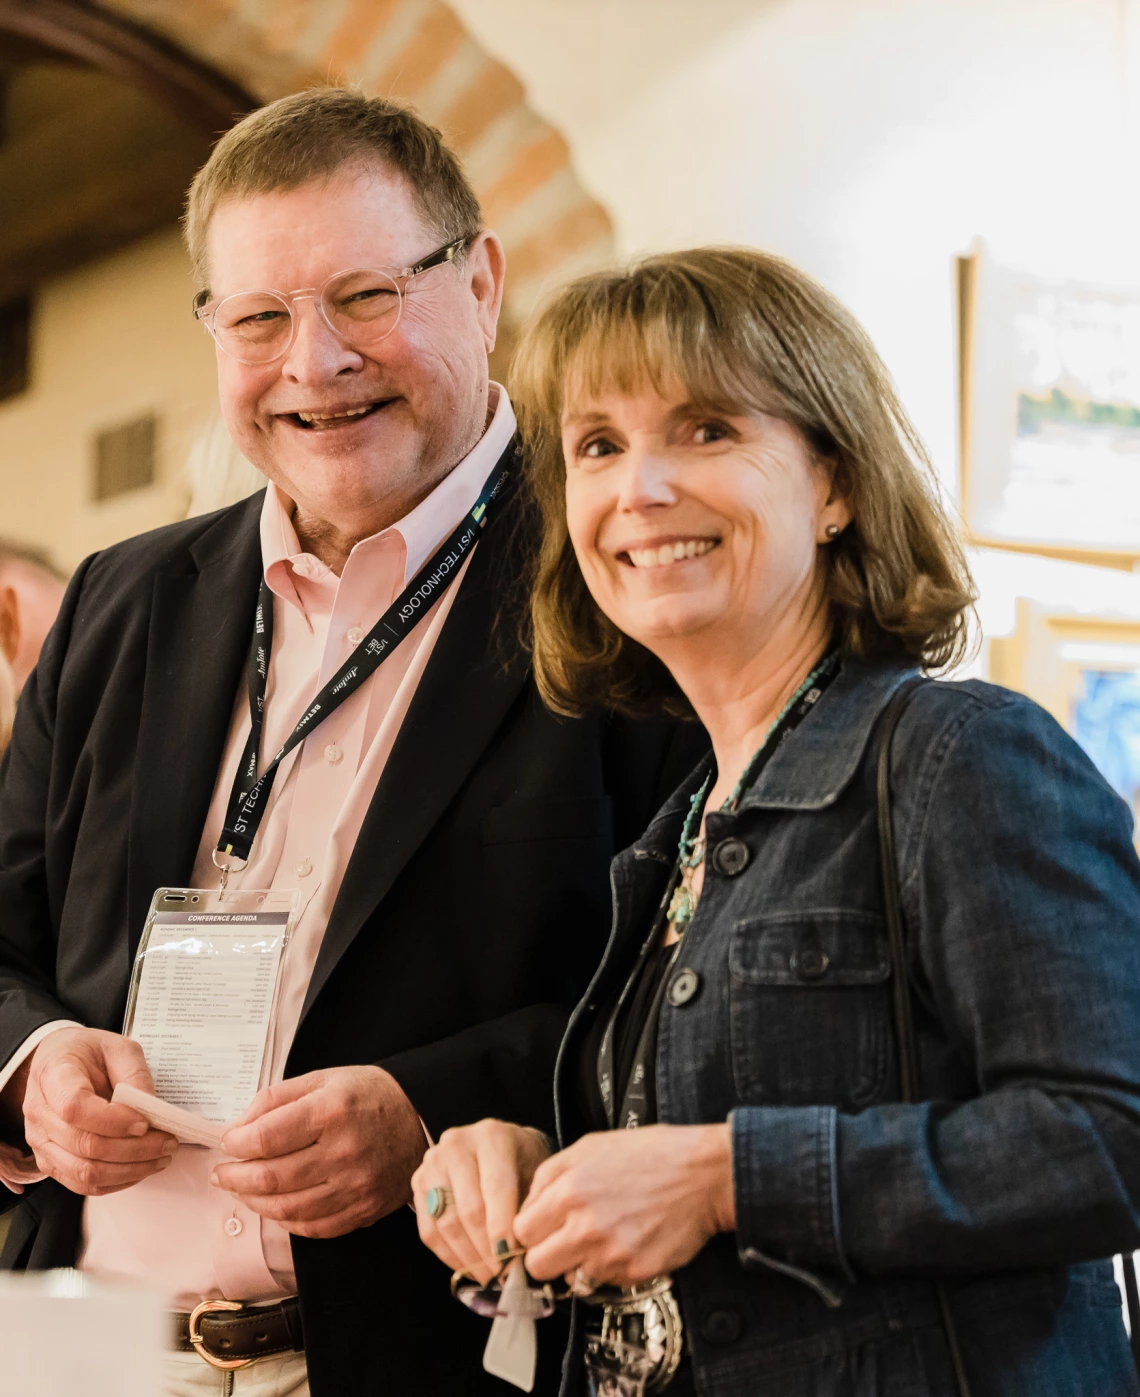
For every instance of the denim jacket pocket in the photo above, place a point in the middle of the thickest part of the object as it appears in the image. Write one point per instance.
(809, 1008)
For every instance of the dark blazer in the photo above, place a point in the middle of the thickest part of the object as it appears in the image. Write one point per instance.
(472, 914)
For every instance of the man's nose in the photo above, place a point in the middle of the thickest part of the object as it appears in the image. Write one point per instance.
(317, 353)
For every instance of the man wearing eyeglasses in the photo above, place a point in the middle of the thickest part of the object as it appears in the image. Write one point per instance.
(317, 693)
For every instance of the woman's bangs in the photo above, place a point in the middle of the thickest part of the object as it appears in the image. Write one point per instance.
(682, 356)
(627, 354)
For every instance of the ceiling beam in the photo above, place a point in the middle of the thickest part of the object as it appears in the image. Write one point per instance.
(199, 96)
(87, 184)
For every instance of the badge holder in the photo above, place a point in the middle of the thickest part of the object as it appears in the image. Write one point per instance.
(204, 991)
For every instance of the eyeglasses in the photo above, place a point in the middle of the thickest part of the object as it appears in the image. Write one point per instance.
(536, 1301)
(361, 307)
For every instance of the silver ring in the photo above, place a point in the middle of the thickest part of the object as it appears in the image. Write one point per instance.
(437, 1201)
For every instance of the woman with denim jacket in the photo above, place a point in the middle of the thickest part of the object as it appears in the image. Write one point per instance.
(739, 522)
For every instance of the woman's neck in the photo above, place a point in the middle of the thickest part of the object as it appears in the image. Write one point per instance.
(738, 702)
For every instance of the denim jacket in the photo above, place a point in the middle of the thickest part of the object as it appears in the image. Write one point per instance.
(1020, 1168)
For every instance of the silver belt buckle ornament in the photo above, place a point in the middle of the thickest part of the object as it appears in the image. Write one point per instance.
(638, 1350)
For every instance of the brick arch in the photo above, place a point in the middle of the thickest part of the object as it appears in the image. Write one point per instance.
(415, 51)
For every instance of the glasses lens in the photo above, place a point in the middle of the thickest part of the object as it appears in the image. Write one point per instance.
(535, 1302)
(254, 326)
(363, 306)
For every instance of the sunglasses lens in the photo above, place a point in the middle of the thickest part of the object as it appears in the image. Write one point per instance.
(482, 1299)
(535, 1302)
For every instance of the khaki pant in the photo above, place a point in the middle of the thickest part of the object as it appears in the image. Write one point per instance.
(284, 1375)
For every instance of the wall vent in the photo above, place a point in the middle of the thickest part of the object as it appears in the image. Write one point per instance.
(125, 458)
(15, 346)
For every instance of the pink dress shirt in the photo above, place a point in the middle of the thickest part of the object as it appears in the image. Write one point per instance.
(173, 1231)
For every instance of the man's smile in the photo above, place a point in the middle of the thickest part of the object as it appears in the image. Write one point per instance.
(326, 419)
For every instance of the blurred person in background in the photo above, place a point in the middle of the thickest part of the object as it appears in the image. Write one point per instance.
(448, 839)
(31, 590)
(828, 1148)
(216, 472)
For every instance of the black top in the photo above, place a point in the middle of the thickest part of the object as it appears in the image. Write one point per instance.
(631, 1020)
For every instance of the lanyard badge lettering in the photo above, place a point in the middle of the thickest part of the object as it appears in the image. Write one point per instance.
(206, 977)
(250, 791)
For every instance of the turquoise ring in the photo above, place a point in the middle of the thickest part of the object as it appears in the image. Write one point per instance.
(437, 1200)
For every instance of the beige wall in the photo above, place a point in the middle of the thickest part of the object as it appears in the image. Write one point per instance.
(111, 342)
(870, 141)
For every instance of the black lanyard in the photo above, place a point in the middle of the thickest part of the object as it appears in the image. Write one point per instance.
(634, 1095)
(250, 792)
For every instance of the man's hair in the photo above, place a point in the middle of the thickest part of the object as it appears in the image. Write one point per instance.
(13, 552)
(742, 332)
(311, 136)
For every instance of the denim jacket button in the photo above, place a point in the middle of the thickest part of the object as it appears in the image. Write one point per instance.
(730, 857)
(683, 988)
(722, 1327)
(809, 964)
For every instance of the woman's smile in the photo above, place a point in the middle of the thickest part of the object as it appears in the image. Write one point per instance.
(666, 552)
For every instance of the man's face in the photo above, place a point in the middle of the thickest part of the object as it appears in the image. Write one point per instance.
(424, 387)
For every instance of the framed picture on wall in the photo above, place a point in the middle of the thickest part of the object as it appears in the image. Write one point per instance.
(1050, 412)
(1085, 670)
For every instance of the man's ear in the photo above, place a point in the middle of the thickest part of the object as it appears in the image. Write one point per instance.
(487, 266)
(9, 623)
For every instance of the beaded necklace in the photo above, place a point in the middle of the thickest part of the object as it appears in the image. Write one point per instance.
(691, 850)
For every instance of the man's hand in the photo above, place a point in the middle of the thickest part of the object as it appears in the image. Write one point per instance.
(77, 1136)
(325, 1153)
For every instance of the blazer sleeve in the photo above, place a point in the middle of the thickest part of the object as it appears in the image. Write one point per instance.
(502, 1067)
(27, 917)
(1022, 897)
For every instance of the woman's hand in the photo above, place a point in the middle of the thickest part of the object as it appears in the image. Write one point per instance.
(624, 1206)
(487, 1168)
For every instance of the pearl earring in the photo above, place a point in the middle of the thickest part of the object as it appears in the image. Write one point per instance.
(832, 531)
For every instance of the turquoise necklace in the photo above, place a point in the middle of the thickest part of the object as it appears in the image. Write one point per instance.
(691, 850)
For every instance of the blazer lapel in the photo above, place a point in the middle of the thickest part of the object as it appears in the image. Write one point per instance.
(201, 622)
(463, 697)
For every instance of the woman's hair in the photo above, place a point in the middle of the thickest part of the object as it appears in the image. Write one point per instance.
(740, 331)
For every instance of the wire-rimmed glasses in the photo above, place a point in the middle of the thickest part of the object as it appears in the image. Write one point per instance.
(361, 306)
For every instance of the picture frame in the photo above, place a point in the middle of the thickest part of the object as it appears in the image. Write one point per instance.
(1049, 413)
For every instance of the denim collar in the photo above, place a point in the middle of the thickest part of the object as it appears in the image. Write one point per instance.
(812, 770)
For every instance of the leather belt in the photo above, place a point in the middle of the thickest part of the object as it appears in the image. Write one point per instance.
(229, 1335)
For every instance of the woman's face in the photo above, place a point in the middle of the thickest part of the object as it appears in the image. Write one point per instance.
(691, 525)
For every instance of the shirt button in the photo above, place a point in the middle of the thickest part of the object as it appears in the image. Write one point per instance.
(730, 857)
(304, 868)
(683, 988)
(810, 964)
(722, 1327)
(333, 754)
(355, 635)
(233, 1227)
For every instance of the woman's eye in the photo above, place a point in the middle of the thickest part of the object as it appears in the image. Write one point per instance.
(706, 432)
(599, 446)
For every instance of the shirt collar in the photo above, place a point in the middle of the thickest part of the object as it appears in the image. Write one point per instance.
(421, 530)
(811, 771)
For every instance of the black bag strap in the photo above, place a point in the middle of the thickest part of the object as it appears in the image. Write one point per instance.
(900, 971)
(1132, 1300)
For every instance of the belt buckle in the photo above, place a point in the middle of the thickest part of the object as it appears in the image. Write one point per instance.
(199, 1343)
